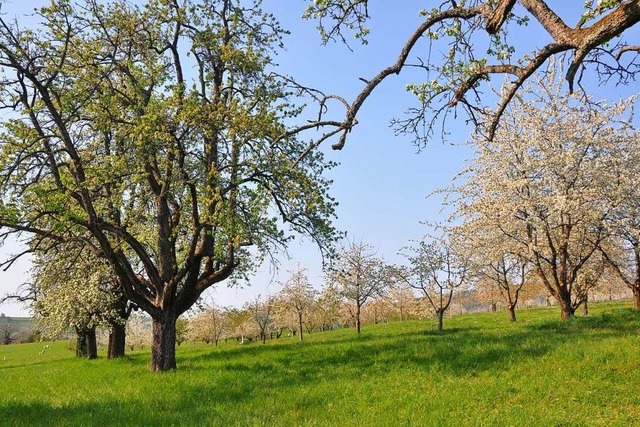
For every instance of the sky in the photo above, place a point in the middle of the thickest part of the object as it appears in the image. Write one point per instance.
(382, 182)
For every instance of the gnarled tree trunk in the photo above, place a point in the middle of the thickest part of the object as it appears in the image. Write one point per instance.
(163, 347)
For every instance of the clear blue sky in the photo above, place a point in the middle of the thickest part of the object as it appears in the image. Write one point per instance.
(381, 183)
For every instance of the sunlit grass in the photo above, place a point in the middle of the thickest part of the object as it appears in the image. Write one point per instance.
(482, 370)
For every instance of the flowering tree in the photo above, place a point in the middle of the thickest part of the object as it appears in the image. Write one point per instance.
(297, 296)
(436, 270)
(164, 134)
(544, 183)
(357, 275)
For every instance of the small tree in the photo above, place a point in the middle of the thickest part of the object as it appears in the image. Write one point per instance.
(357, 276)
(261, 312)
(298, 296)
(435, 270)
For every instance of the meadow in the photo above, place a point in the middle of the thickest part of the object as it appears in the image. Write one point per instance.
(481, 370)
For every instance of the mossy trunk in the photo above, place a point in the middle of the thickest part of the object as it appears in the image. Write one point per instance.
(163, 347)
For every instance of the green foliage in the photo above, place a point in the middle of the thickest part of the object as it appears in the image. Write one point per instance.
(482, 371)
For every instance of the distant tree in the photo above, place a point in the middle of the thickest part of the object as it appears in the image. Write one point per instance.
(433, 268)
(210, 325)
(402, 298)
(297, 296)
(357, 275)
(182, 330)
(261, 313)
(138, 331)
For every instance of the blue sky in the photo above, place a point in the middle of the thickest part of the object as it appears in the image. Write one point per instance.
(381, 182)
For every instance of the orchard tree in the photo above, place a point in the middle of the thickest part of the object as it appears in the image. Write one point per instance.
(437, 271)
(464, 46)
(261, 312)
(209, 326)
(74, 291)
(545, 183)
(297, 296)
(162, 132)
(357, 275)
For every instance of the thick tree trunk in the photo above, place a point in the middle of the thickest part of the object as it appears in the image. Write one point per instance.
(564, 299)
(636, 297)
(92, 344)
(300, 325)
(440, 319)
(117, 341)
(163, 347)
(81, 343)
(512, 312)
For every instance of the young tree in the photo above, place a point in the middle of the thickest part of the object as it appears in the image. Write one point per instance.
(482, 39)
(542, 183)
(435, 270)
(261, 312)
(160, 131)
(210, 325)
(297, 296)
(357, 275)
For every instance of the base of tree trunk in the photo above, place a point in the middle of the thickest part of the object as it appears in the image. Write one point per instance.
(636, 298)
(92, 344)
(163, 347)
(117, 341)
(512, 313)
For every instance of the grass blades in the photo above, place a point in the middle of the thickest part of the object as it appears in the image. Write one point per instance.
(482, 370)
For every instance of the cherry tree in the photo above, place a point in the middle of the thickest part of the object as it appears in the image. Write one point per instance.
(544, 183)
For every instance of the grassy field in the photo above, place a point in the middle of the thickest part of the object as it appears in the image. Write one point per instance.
(481, 370)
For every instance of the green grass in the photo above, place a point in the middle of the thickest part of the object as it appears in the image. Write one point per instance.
(481, 370)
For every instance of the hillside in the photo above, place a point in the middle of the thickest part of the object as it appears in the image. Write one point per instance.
(482, 370)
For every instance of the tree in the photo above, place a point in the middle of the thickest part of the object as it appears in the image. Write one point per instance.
(162, 132)
(297, 296)
(481, 39)
(74, 291)
(210, 325)
(357, 276)
(437, 271)
(261, 312)
(402, 298)
(543, 183)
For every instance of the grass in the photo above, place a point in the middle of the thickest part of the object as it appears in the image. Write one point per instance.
(482, 370)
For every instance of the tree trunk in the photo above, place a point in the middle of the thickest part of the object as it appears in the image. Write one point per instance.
(81, 343)
(163, 347)
(117, 341)
(512, 312)
(440, 319)
(585, 308)
(358, 319)
(494, 307)
(564, 299)
(92, 344)
(300, 325)
(636, 297)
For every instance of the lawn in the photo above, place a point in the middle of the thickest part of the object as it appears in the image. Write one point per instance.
(482, 370)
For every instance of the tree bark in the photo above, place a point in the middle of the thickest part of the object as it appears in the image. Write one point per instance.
(440, 319)
(92, 344)
(163, 347)
(636, 297)
(564, 299)
(300, 325)
(512, 312)
(117, 341)
(81, 343)
(585, 308)
(358, 318)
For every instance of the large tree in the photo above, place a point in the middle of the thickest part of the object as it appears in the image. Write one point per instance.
(463, 45)
(544, 184)
(162, 132)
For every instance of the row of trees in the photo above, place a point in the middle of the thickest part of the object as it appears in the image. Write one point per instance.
(166, 177)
